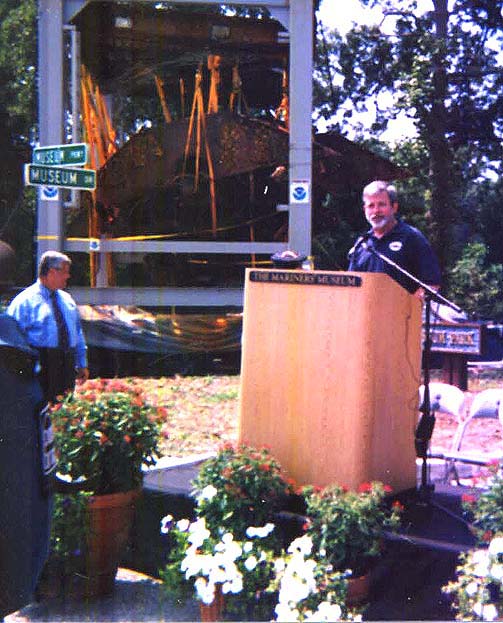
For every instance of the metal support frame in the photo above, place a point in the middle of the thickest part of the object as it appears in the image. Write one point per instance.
(298, 15)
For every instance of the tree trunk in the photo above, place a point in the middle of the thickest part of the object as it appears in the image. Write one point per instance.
(443, 215)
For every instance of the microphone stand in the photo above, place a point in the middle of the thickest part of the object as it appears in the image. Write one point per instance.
(426, 424)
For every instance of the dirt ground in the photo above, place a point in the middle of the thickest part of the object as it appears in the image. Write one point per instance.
(203, 413)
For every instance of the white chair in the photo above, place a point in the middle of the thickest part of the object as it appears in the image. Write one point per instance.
(486, 404)
(445, 398)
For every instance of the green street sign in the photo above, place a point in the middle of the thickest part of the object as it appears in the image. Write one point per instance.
(62, 155)
(35, 175)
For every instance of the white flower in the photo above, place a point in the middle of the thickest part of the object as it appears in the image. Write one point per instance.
(303, 545)
(260, 531)
(497, 571)
(235, 585)
(488, 612)
(166, 523)
(198, 533)
(480, 559)
(247, 547)
(251, 563)
(208, 493)
(496, 546)
(285, 613)
(183, 525)
(205, 590)
(472, 589)
(325, 612)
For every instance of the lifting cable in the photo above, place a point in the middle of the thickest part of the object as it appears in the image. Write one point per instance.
(197, 114)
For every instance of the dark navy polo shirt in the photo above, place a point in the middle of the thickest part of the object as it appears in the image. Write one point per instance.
(407, 247)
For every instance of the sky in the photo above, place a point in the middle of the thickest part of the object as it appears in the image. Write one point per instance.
(341, 14)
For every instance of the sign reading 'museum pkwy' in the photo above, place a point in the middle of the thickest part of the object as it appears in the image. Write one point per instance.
(36, 175)
(305, 278)
(73, 154)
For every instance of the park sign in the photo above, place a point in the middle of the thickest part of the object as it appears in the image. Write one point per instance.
(64, 177)
(62, 155)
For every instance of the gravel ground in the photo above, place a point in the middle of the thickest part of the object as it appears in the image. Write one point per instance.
(137, 597)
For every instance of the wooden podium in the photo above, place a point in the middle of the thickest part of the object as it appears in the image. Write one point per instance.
(330, 375)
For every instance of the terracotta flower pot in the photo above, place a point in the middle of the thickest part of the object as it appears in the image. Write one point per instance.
(110, 520)
(358, 590)
(213, 611)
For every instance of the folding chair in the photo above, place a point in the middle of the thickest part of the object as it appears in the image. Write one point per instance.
(445, 398)
(486, 404)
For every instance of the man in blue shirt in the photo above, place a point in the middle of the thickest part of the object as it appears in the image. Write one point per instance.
(405, 245)
(50, 320)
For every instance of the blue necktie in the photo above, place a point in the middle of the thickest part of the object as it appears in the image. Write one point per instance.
(63, 339)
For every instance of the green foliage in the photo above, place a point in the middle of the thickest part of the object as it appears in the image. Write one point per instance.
(249, 485)
(18, 62)
(440, 69)
(347, 526)
(69, 527)
(475, 284)
(105, 432)
(478, 589)
(205, 563)
(485, 512)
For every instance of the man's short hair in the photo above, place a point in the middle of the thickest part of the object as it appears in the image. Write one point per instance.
(52, 259)
(380, 186)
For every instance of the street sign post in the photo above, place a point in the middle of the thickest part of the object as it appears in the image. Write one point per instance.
(62, 155)
(64, 177)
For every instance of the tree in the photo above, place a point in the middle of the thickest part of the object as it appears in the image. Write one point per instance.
(441, 70)
(18, 48)
(476, 285)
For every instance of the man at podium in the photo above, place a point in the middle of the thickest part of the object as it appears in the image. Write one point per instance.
(405, 245)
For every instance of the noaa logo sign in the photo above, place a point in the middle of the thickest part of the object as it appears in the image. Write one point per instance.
(299, 192)
(395, 245)
(49, 193)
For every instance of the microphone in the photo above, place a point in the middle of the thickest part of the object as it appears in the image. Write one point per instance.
(362, 241)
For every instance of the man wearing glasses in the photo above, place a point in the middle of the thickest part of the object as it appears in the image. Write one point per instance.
(50, 320)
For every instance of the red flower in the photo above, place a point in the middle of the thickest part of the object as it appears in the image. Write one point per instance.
(103, 439)
(467, 498)
(162, 412)
(387, 489)
(365, 487)
(487, 536)
(127, 438)
(398, 505)
(493, 465)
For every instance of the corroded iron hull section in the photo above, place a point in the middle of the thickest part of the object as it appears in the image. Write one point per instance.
(153, 159)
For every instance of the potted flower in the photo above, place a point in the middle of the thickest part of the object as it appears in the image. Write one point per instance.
(485, 511)
(477, 591)
(104, 432)
(238, 494)
(240, 487)
(346, 527)
(224, 574)
(309, 589)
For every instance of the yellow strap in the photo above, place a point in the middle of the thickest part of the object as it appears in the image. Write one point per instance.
(214, 67)
(160, 91)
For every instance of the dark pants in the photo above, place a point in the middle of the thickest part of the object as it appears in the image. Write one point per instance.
(25, 508)
(57, 374)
